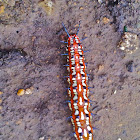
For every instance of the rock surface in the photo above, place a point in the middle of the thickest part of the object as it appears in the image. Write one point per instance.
(30, 56)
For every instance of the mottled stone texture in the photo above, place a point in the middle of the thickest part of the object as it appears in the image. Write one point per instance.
(30, 56)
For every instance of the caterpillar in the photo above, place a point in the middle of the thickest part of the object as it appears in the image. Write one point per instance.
(78, 91)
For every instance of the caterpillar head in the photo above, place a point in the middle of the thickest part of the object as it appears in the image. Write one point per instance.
(73, 39)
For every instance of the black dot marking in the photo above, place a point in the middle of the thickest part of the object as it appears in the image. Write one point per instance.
(83, 75)
(89, 132)
(87, 115)
(77, 116)
(74, 76)
(84, 87)
(74, 87)
(81, 134)
(73, 37)
(86, 101)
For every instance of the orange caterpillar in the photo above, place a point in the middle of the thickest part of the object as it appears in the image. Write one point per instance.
(78, 91)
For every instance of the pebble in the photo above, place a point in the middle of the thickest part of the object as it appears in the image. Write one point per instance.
(2, 9)
(106, 20)
(100, 1)
(109, 80)
(115, 91)
(29, 90)
(19, 122)
(42, 138)
(81, 8)
(128, 43)
(25, 91)
(21, 92)
(100, 67)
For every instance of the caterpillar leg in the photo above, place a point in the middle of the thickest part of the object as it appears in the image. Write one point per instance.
(83, 39)
(65, 29)
(64, 42)
(78, 27)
